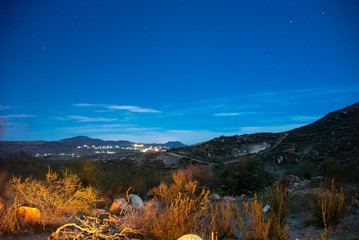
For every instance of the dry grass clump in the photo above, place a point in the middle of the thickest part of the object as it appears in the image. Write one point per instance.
(184, 208)
(54, 197)
(278, 213)
(186, 214)
(223, 218)
(183, 184)
(327, 205)
(254, 222)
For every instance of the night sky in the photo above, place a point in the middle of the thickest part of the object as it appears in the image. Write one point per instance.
(154, 71)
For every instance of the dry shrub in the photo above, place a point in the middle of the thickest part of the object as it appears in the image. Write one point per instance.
(54, 197)
(186, 214)
(223, 218)
(278, 213)
(182, 184)
(327, 205)
(171, 219)
(9, 220)
(254, 223)
(182, 208)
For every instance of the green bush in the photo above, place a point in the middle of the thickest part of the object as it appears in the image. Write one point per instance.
(248, 174)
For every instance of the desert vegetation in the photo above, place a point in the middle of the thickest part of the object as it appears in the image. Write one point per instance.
(37, 204)
(73, 199)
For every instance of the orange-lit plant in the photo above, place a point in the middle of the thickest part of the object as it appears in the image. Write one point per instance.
(223, 218)
(254, 222)
(54, 197)
(278, 213)
(183, 183)
(327, 205)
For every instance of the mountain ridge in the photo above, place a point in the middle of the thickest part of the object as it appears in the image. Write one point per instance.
(336, 135)
(67, 145)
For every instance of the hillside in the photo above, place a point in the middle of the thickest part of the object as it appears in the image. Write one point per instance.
(334, 136)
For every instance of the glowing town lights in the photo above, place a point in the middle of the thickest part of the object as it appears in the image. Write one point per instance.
(78, 147)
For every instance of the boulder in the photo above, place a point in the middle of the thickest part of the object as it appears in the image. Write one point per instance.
(29, 215)
(230, 199)
(214, 196)
(135, 201)
(119, 205)
(287, 183)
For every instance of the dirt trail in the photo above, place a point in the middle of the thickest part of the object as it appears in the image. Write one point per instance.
(192, 159)
(275, 145)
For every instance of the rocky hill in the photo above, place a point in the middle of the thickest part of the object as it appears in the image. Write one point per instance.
(334, 136)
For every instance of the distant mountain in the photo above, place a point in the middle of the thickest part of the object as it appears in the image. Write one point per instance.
(174, 144)
(335, 136)
(68, 145)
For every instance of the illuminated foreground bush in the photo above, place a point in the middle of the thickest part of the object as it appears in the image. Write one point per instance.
(254, 222)
(55, 198)
(278, 213)
(328, 205)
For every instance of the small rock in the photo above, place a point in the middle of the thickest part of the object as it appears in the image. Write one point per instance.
(119, 205)
(266, 208)
(135, 201)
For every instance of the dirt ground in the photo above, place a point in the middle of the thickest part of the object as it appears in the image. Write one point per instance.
(29, 237)
(301, 226)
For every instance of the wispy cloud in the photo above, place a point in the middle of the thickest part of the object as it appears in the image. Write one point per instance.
(118, 107)
(90, 119)
(4, 107)
(233, 114)
(87, 105)
(17, 116)
(187, 136)
(133, 109)
(110, 128)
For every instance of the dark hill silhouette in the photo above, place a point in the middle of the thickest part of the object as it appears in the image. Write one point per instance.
(334, 136)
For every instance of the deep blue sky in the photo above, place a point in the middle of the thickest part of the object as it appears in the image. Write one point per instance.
(153, 71)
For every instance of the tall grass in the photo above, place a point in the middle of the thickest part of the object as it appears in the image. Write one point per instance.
(278, 213)
(223, 218)
(254, 222)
